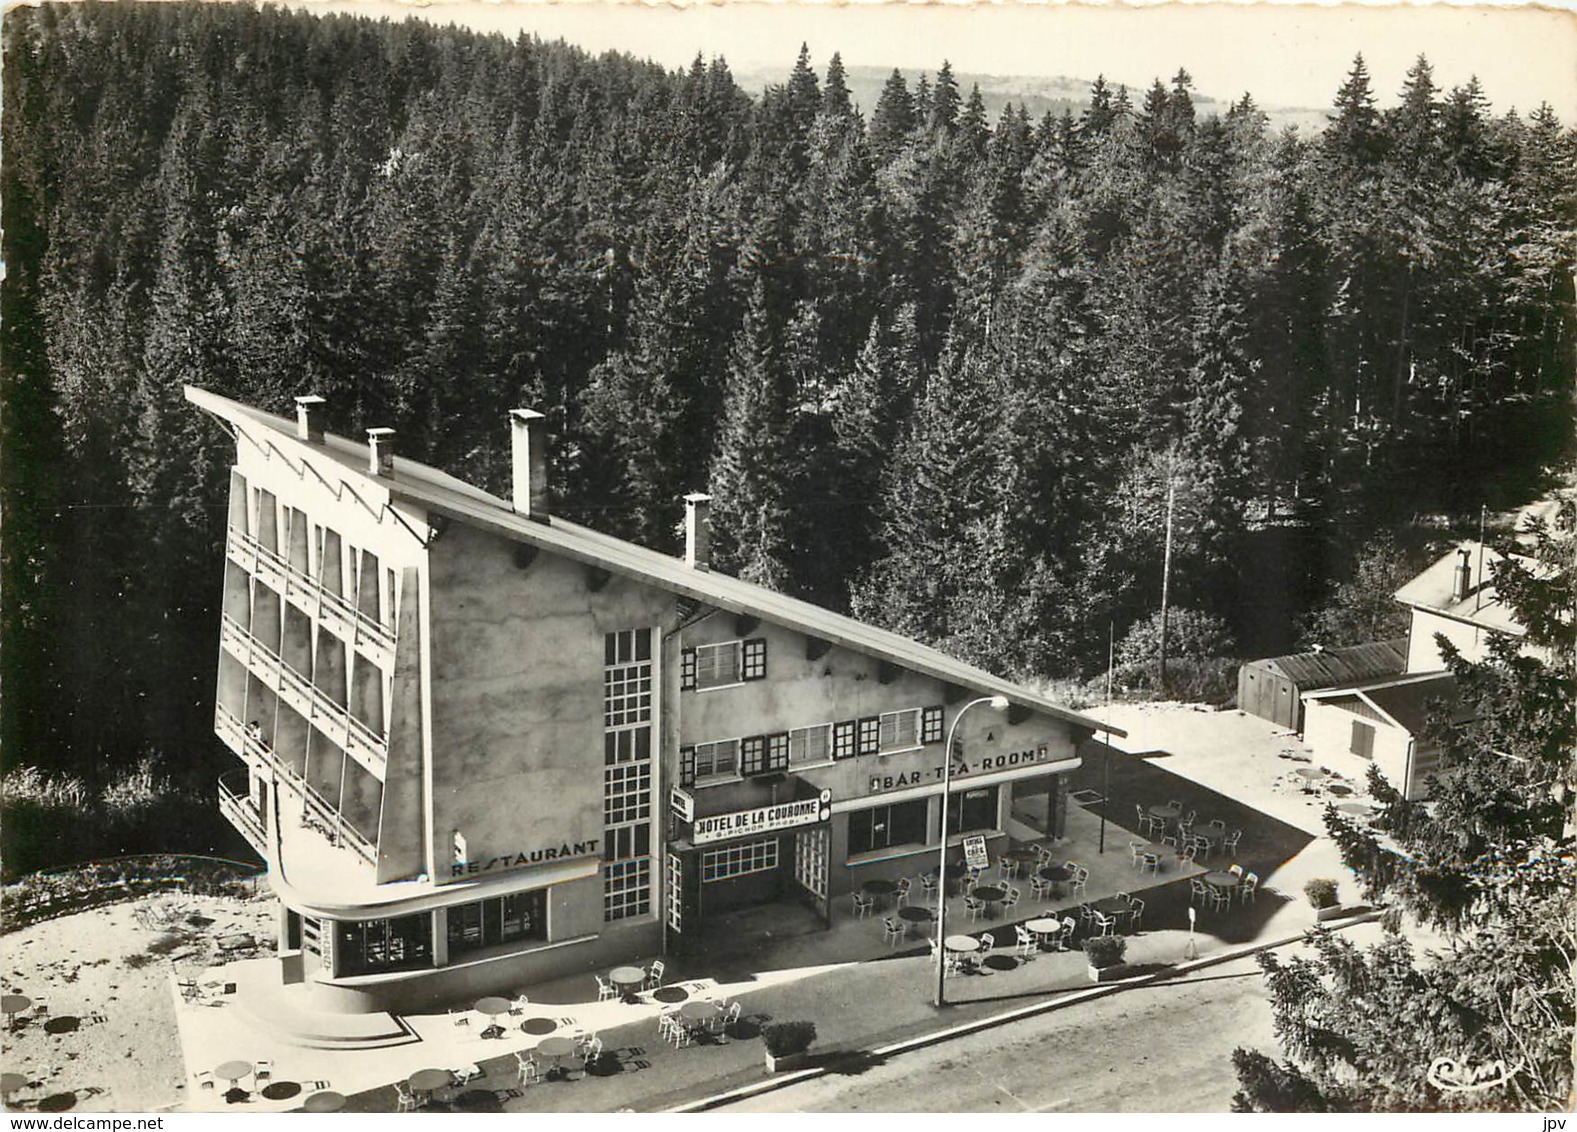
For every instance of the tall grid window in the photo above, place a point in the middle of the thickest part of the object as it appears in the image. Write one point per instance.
(738, 860)
(627, 774)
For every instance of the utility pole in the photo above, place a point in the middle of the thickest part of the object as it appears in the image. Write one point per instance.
(1106, 754)
(1166, 574)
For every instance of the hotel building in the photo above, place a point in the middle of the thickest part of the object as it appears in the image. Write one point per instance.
(479, 746)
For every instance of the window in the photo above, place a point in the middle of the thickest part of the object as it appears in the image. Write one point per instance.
(368, 946)
(764, 754)
(755, 659)
(1362, 739)
(686, 669)
(521, 915)
(716, 760)
(843, 739)
(626, 793)
(885, 826)
(972, 809)
(870, 736)
(931, 725)
(627, 746)
(717, 666)
(899, 730)
(632, 646)
(627, 694)
(630, 841)
(808, 746)
(739, 860)
(626, 889)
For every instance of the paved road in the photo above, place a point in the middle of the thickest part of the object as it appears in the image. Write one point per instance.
(1164, 1048)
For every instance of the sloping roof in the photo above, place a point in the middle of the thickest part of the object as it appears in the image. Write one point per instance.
(439, 492)
(1403, 701)
(1346, 665)
(1435, 589)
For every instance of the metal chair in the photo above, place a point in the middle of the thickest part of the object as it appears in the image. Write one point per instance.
(1229, 843)
(1040, 887)
(1103, 924)
(605, 989)
(1150, 863)
(901, 892)
(518, 1004)
(1135, 912)
(974, 907)
(1135, 853)
(1012, 897)
(892, 931)
(404, 1100)
(1081, 876)
(1250, 888)
(1237, 871)
(862, 904)
(1198, 890)
(654, 975)
(928, 886)
(1026, 945)
(526, 1069)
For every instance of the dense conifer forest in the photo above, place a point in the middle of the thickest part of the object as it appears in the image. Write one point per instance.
(938, 370)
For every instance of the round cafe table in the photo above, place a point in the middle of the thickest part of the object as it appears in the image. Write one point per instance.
(914, 914)
(698, 1010)
(326, 1101)
(992, 895)
(879, 889)
(492, 1006)
(425, 1082)
(12, 1005)
(1355, 810)
(232, 1071)
(1221, 879)
(628, 980)
(1043, 927)
(555, 1049)
(538, 1026)
(1166, 811)
(963, 944)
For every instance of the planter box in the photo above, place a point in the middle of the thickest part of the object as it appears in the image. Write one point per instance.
(1334, 912)
(787, 1062)
(1108, 974)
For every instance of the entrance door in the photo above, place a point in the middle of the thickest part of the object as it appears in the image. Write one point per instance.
(810, 867)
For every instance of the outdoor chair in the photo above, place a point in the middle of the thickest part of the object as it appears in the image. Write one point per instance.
(731, 1016)
(519, 1003)
(460, 1017)
(1187, 854)
(1230, 842)
(1250, 888)
(1146, 822)
(1188, 819)
(1011, 899)
(1081, 876)
(901, 892)
(403, 1098)
(1086, 915)
(1043, 853)
(1065, 940)
(1135, 912)
(605, 988)
(1104, 924)
(1150, 863)
(974, 907)
(262, 1071)
(1237, 871)
(1198, 889)
(526, 1069)
(204, 1079)
(1220, 898)
(667, 1021)
(862, 904)
(988, 943)
(974, 873)
(1007, 869)
(1136, 852)
(654, 975)
(1040, 886)
(928, 886)
(590, 1052)
(892, 931)
(1026, 942)
(466, 1074)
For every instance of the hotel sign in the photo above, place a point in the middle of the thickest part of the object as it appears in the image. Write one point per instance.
(881, 783)
(763, 819)
(682, 803)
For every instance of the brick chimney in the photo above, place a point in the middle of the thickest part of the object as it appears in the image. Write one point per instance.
(380, 452)
(528, 448)
(309, 418)
(698, 531)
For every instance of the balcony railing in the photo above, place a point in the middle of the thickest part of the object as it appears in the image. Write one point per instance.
(309, 595)
(238, 809)
(362, 743)
(315, 811)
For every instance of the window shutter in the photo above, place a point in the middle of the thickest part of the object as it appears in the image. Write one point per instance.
(755, 660)
(686, 766)
(870, 735)
(754, 757)
(843, 739)
(686, 669)
(1362, 740)
(778, 751)
(931, 725)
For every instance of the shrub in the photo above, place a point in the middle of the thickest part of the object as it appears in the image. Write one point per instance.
(1190, 635)
(137, 962)
(1321, 892)
(1105, 950)
(783, 1039)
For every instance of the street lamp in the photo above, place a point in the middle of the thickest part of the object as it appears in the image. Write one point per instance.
(998, 703)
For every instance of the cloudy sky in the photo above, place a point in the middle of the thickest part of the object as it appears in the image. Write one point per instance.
(1284, 54)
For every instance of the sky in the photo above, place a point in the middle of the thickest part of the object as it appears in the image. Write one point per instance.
(1284, 54)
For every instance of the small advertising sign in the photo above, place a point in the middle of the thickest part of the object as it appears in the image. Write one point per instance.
(682, 802)
(975, 853)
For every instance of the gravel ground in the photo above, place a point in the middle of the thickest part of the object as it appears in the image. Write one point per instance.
(108, 1041)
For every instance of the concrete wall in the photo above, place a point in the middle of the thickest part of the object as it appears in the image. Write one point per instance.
(1423, 654)
(1327, 729)
(516, 675)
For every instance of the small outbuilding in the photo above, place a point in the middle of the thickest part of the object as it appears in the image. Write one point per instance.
(1273, 688)
(1383, 721)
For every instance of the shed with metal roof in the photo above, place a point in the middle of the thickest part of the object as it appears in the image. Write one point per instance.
(1272, 688)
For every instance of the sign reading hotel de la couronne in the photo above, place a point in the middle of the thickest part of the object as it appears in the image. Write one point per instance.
(763, 819)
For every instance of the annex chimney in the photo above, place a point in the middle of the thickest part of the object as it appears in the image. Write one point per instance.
(528, 446)
(380, 452)
(698, 531)
(1462, 584)
(309, 418)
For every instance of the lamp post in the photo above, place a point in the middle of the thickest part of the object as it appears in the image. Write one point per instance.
(998, 703)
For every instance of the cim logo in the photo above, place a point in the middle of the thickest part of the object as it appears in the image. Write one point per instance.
(1452, 1076)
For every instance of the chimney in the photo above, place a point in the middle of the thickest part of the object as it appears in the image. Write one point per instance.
(380, 452)
(1463, 584)
(309, 418)
(697, 531)
(528, 448)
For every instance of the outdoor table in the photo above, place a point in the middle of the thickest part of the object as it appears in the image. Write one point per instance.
(1166, 812)
(628, 980)
(699, 1010)
(915, 914)
(233, 1071)
(963, 944)
(538, 1026)
(326, 1101)
(1055, 875)
(555, 1049)
(1221, 879)
(880, 889)
(10, 1083)
(1355, 810)
(992, 895)
(425, 1082)
(1043, 927)
(12, 1005)
(492, 1006)
(1309, 772)
(1020, 857)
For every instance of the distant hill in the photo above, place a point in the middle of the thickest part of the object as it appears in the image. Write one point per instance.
(1037, 93)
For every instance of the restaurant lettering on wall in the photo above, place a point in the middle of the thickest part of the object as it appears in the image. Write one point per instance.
(561, 852)
(880, 783)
